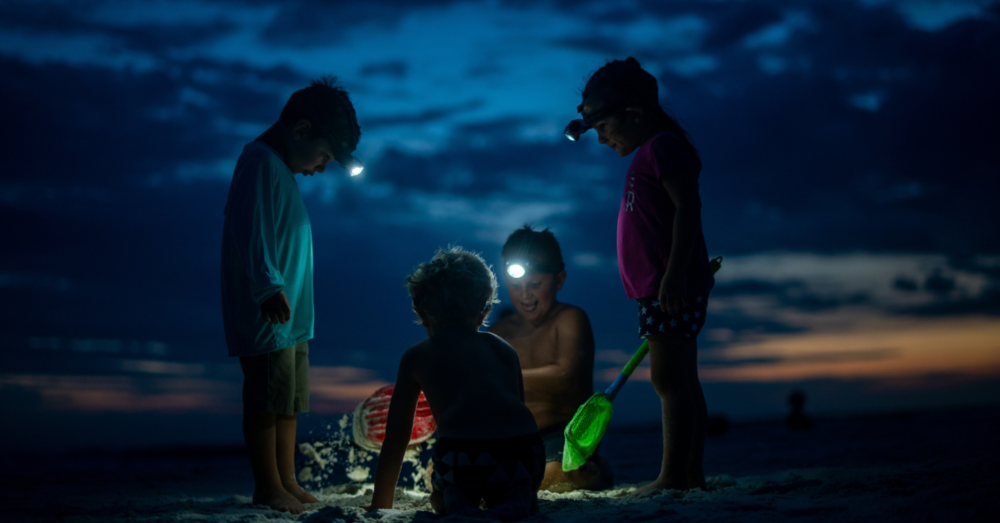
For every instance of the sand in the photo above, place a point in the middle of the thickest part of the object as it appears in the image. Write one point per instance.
(915, 467)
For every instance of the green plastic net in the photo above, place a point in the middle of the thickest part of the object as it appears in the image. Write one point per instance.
(585, 430)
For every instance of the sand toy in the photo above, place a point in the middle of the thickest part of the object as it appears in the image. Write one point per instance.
(585, 430)
(370, 418)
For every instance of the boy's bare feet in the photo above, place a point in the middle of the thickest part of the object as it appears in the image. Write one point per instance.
(300, 493)
(659, 484)
(280, 500)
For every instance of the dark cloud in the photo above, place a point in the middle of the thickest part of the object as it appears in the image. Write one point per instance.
(985, 303)
(743, 325)
(393, 69)
(99, 127)
(816, 357)
(306, 22)
(601, 44)
(425, 116)
(794, 294)
(939, 284)
(904, 283)
(733, 21)
(789, 162)
(152, 38)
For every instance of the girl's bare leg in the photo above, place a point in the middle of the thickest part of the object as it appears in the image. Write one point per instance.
(670, 361)
(695, 472)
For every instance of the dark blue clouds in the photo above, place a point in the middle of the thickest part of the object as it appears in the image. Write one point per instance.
(824, 127)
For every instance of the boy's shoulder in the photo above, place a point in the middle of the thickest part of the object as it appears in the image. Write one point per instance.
(566, 315)
(419, 347)
(258, 155)
(570, 317)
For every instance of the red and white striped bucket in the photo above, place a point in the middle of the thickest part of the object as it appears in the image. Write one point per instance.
(371, 414)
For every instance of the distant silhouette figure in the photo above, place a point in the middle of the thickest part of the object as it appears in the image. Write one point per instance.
(798, 419)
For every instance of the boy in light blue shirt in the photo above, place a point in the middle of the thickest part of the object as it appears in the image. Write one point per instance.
(267, 277)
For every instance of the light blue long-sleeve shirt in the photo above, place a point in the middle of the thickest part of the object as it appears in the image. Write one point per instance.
(266, 248)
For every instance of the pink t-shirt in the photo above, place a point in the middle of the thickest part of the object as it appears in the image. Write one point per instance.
(646, 220)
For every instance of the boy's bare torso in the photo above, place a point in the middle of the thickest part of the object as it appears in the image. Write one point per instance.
(472, 382)
(557, 361)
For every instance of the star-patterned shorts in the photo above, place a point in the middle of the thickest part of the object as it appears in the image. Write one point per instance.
(687, 324)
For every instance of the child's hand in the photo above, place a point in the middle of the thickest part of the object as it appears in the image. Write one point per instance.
(276, 309)
(673, 293)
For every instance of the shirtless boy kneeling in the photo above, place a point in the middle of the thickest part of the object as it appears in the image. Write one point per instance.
(555, 344)
(488, 446)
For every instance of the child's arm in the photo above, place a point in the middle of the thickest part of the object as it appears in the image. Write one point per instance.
(398, 427)
(683, 191)
(252, 218)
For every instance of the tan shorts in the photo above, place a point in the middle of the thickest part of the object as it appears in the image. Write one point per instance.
(277, 382)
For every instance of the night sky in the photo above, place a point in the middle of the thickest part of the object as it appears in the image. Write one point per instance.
(850, 180)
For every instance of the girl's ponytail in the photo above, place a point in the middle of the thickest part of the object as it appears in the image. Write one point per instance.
(671, 124)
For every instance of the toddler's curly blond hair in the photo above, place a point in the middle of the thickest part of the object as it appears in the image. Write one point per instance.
(455, 287)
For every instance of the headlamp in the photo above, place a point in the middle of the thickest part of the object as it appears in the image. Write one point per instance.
(578, 127)
(347, 161)
(352, 165)
(575, 129)
(517, 268)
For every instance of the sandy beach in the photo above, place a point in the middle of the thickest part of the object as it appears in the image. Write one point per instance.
(916, 466)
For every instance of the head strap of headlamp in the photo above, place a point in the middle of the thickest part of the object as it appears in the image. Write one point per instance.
(603, 112)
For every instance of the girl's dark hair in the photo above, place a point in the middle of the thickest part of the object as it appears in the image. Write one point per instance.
(328, 108)
(626, 81)
(542, 247)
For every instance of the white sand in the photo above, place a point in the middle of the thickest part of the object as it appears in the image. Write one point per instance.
(933, 491)
(934, 467)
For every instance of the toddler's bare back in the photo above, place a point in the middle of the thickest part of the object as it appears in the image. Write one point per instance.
(472, 381)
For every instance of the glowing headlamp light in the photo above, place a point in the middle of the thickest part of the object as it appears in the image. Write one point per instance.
(517, 269)
(519, 265)
(352, 165)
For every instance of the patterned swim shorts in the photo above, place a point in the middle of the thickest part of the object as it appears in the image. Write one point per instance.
(489, 468)
(687, 324)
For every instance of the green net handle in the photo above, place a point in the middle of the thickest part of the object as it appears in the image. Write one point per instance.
(627, 371)
(636, 359)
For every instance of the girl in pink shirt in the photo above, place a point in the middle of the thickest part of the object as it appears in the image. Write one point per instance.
(662, 256)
